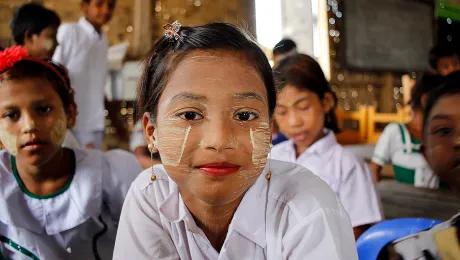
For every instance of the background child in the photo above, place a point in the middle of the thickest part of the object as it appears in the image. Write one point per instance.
(399, 143)
(443, 59)
(34, 27)
(138, 145)
(209, 116)
(55, 202)
(441, 146)
(83, 50)
(305, 113)
(282, 50)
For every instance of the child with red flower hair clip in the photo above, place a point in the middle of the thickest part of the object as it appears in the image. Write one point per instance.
(55, 202)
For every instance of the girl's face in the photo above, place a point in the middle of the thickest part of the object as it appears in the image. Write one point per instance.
(442, 140)
(33, 122)
(212, 129)
(300, 115)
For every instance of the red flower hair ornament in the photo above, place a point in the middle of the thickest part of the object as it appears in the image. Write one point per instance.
(10, 56)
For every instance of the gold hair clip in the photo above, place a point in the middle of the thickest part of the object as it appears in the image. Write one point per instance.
(172, 30)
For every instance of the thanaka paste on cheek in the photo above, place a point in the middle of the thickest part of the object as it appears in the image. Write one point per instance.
(9, 141)
(58, 132)
(171, 156)
(260, 140)
(48, 45)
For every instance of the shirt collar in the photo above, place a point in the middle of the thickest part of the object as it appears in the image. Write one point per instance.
(88, 27)
(249, 219)
(321, 146)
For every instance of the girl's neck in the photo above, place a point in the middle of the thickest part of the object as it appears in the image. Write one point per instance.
(213, 220)
(48, 178)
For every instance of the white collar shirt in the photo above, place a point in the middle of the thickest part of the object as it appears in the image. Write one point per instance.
(294, 215)
(84, 52)
(348, 176)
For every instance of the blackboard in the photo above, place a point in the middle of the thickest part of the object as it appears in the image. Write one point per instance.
(387, 35)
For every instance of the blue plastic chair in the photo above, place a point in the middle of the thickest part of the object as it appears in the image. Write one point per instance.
(371, 242)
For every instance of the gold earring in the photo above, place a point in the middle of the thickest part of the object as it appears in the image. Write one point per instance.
(269, 173)
(152, 148)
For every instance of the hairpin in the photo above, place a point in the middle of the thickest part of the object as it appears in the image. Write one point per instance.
(10, 56)
(172, 30)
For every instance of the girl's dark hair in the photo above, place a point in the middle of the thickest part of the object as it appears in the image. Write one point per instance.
(25, 69)
(423, 86)
(166, 54)
(32, 18)
(440, 50)
(450, 87)
(304, 73)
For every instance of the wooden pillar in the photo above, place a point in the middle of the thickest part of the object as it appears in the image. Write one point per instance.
(142, 27)
(386, 96)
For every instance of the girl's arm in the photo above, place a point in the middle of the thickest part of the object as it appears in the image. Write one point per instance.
(376, 171)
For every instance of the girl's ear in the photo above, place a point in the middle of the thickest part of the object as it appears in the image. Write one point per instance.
(328, 102)
(71, 115)
(149, 129)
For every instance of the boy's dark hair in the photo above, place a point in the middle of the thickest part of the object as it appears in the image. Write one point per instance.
(440, 50)
(25, 69)
(166, 54)
(285, 45)
(303, 72)
(32, 19)
(423, 86)
(451, 86)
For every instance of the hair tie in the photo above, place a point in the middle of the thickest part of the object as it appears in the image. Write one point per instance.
(172, 30)
(12, 55)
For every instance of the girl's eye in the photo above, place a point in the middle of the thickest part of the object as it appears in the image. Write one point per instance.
(190, 116)
(43, 110)
(303, 108)
(443, 131)
(11, 115)
(246, 116)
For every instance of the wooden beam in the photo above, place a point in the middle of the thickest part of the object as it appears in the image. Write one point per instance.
(142, 28)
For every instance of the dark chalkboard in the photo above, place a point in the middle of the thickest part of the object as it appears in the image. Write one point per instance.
(389, 35)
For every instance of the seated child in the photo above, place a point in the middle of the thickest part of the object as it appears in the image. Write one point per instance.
(400, 143)
(55, 202)
(305, 113)
(138, 145)
(208, 96)
(443, 59)
(34, 27)
(441, 148)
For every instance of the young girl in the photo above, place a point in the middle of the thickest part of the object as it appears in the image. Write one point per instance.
(305, 113)
(399, 143)
(208, 95)
(441, 146)
(55, 203)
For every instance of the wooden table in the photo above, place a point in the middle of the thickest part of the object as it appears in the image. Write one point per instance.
(402, 201)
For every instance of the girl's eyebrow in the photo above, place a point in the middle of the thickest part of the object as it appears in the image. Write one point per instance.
(248, 95)
(440, 117)
(186, 96)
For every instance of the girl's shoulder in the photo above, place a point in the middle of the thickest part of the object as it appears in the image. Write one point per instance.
(298, 187)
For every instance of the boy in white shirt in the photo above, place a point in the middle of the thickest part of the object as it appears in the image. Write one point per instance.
(83, 50)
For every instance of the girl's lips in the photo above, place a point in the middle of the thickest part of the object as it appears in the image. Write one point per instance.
(218, 169)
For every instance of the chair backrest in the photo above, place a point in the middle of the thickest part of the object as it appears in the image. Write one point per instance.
(350, 136)
(401, 116)
(371, 242)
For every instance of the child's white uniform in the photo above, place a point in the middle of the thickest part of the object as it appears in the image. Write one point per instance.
(348, 176)
(396, 146)
(294, 215)
(75, 223)
(84, 52)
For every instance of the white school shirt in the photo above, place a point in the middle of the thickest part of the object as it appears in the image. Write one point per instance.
(295, 215)
(348, 176)
(396, 146)
(84, 52)
(77, 222)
